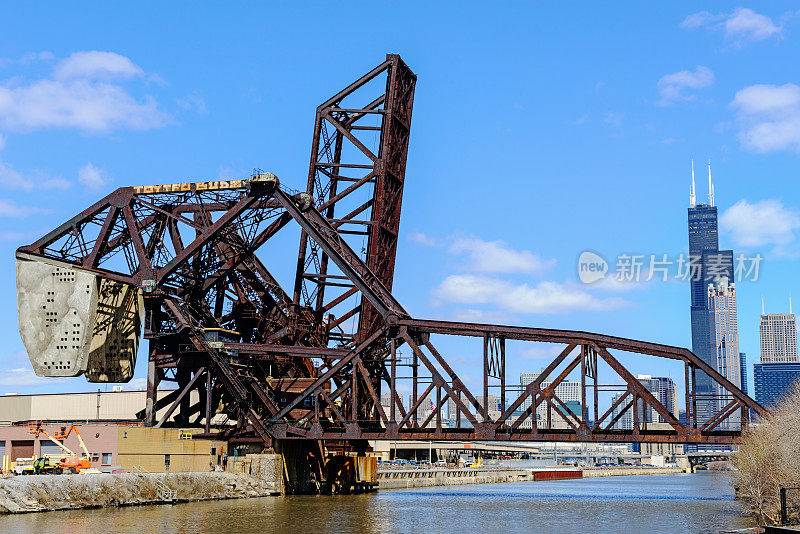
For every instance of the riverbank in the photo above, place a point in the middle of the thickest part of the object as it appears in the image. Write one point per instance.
(417, 478)
(39, 493)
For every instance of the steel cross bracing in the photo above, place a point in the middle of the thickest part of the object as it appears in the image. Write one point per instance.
(298, 371)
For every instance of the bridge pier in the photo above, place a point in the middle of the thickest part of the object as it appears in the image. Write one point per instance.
(302, 466)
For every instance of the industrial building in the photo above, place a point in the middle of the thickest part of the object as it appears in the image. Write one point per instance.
(110, 429)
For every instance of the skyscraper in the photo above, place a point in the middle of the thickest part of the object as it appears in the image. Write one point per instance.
(662, 388)
(778, 337)
(743, 372)
(707, 265)
(724, 331)
(779, 367)
(569, 393)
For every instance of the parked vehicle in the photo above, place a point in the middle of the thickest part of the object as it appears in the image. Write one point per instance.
(23, 466)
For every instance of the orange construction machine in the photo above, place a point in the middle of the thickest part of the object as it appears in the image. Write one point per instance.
(70, 463)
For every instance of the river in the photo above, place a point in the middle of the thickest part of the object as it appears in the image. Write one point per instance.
(701, 502)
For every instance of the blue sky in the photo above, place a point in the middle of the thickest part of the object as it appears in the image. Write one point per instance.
(538, 133)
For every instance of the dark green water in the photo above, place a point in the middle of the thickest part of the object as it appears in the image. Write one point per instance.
(701, 502)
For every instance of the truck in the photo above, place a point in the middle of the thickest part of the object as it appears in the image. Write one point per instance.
(23, 466)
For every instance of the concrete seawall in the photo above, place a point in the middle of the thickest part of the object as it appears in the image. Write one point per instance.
(39, 493)
(630, 471)
(415, 478)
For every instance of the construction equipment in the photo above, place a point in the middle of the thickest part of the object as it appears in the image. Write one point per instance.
(47, 465)
(69, 463)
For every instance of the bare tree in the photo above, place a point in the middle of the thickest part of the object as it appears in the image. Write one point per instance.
(769, 458)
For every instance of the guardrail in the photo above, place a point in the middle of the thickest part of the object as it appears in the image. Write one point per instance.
(786, 508)
(163, 492)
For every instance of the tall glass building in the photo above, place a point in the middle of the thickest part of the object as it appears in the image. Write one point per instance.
(707, 265)
(743, 371)
(773, 380)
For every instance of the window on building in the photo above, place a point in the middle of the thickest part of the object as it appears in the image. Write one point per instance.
(106, 458)
(166, 462)
(95, 456)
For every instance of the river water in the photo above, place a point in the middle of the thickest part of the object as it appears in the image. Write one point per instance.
(701, 502)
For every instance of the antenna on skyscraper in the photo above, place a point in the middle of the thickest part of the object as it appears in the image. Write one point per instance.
(762, 305)
(790, 303)
(710, 185)
(692, 197)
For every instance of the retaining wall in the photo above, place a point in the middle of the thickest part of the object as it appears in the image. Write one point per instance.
(629, 471)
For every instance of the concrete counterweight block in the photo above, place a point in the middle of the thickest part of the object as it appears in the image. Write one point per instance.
(115, 335)
(73, 322)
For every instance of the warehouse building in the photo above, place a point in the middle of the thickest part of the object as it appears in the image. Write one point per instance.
(110, 429)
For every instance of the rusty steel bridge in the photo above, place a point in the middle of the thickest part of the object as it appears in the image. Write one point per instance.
(312, 361)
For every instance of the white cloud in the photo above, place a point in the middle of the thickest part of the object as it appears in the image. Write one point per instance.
(10, 178)
(95, 64)
(580, 120)
(82, 94)
(472, 315)
(92, 177)
(498, 257)
(741, 25)
(28, 57)
(679, 85)
(137, 384)
(747, 24)
(24, 376)
(422, 239)
(544, 297)
(8, 208)
(193, 101)
(766, 222)
(13, 179)
(769, 117)
(615, 119)
(698, 19)
(19, 236)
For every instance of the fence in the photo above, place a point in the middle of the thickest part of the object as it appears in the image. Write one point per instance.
(787, 517)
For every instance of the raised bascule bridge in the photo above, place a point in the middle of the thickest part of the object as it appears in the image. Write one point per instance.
(305, 368)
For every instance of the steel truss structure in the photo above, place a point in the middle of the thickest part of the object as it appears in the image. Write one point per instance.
(315, 363)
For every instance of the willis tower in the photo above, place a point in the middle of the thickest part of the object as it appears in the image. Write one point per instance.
(707, 265)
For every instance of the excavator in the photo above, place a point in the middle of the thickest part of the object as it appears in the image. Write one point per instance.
(70, 463)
